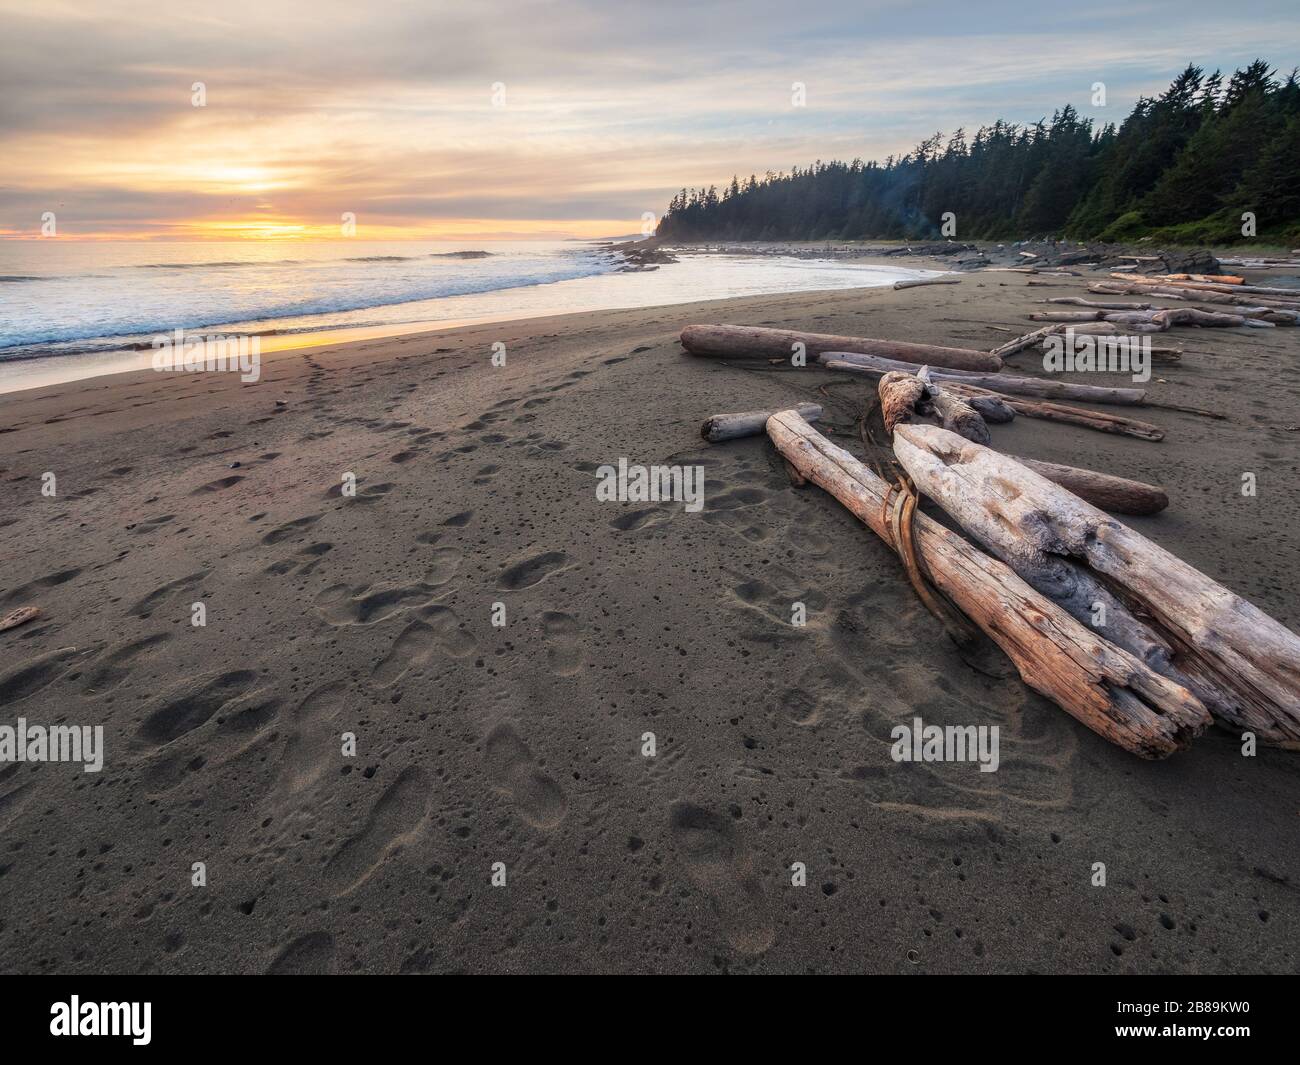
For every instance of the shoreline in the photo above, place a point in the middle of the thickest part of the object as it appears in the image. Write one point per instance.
(521, 744)
(603, 291)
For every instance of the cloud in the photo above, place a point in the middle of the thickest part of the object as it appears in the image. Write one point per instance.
(323, 106)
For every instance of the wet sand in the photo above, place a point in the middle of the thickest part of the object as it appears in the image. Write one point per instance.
(521, 744)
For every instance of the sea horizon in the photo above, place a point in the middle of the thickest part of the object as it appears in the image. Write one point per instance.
(84, 309)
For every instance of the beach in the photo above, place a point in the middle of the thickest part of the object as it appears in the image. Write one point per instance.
(500, 813)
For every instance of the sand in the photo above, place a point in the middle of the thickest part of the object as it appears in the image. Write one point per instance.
(478, 744)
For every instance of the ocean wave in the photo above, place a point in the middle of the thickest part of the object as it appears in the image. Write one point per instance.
(13, 279)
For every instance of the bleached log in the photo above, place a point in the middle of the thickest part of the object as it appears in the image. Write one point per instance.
(1079, 301)
(954, 411)
(721, 427)
(1001, 382)
(1107, 689)
(919, 282)
(743, 341)
(1060, 412)
(1240, 662)
(1026, 341)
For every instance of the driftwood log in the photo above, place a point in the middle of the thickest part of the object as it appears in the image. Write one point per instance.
(1008, 384)
(1102, 686)
(743, 341)
(1240, 662)
(1060, 412)
(721, 427)
(919, 282)
(955, 412)
(901, 396)
(1026, 341)
(1106, 491)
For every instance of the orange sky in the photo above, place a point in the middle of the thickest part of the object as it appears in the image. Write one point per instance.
(521, 118)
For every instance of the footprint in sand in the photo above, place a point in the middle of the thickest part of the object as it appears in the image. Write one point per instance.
(438, 629)
(161, 594)
(563, 652)
(533, 570)
(291, 528)
(641, 519)
(27, 678)
(312, 746)
(540, 801)
(191, 704)
(312, 954)
(719, 864)
(341, 604)
(217, 486)
(396, 818)
(116, 665)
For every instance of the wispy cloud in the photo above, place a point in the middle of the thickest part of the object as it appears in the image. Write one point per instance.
(386, 110)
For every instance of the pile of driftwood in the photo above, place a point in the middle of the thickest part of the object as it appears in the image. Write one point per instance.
(970, 378)
(1129, 639)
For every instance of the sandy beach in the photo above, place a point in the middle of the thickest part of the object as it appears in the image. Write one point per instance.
(372, 614)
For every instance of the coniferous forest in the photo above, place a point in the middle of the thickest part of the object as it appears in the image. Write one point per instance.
(1183, 167)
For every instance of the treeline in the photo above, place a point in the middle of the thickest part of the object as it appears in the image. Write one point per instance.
(1182, 167)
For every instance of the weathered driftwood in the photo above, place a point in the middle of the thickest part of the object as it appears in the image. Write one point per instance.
(1243, 664)
(1116, 494)
(1105, 688)
(927, 281)
(721, 427)
(901, 396)
(1163, 318)
(1245, 301)
(1026, 341)
(992, 408)
(1206, 286)
(954, 411)
(1079, 301)
(1006, 383)
(1059, 412)
(743, 341)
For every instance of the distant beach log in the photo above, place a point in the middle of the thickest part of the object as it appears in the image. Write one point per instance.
(743, 341)
(919, 282)
(1105, 688)
(721, 427)
(1005, 383)
(1243, 664)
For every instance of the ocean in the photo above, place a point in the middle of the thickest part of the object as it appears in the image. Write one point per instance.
(70, 310)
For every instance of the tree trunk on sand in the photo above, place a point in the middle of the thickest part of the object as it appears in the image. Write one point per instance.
(1060, 412)
(1106, 491)
(901, 396)
(721, 427)
(955, 412)
(1004, 383)
(1242, 663)
(927, 281)
(1100, 685)
(742, 341)
(1026, 341)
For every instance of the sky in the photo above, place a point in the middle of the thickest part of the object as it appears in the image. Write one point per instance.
(513, 119)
